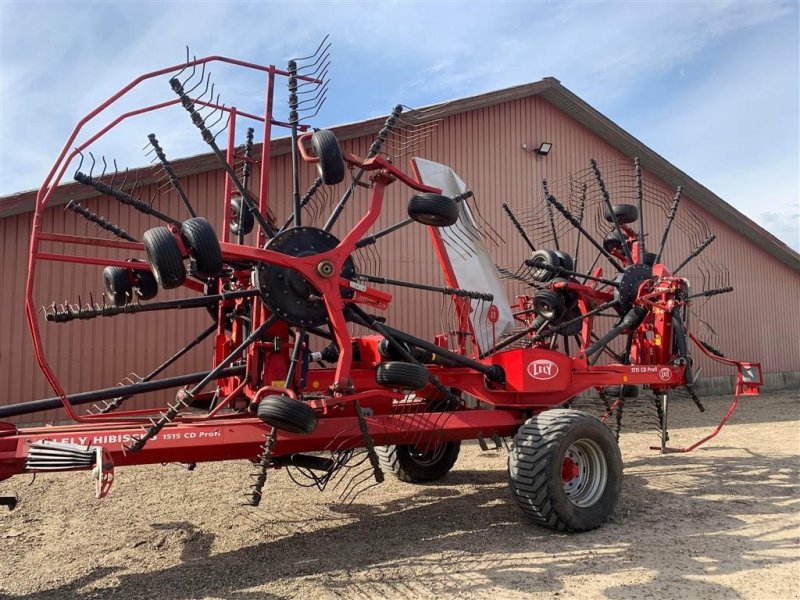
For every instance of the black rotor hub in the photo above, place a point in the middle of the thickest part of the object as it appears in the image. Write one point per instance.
(287, 293)
(629, 282)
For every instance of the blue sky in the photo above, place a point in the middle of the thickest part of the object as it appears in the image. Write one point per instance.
(714, 87)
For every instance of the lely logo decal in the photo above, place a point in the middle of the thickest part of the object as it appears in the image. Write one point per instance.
(543, 369)
(665, 374)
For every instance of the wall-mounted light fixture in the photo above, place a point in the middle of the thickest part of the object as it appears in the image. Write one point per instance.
(542, 150)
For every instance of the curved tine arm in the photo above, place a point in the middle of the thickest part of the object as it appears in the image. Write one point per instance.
(80, 164)
(322, 43)
(199, 83)
(312, 69)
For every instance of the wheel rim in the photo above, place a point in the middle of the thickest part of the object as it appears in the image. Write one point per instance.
(584, 472)
(427, 458)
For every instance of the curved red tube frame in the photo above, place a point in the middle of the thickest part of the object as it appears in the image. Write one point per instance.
(63, 160)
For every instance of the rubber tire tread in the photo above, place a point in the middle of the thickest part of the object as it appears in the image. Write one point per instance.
(630, 391)
(287, 414)
(203, 245)
(237, 207)
(626, 213)
(146, 284)
(398, 461)
(396, 374)
(331, 162)
(433, 209)
(118, 285)
(556, 300)
(534, 469)
(164, 256)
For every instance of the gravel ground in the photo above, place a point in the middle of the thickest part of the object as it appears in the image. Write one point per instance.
(721, 522)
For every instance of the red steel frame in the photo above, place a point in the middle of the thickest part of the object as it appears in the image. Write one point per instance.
(222, 436)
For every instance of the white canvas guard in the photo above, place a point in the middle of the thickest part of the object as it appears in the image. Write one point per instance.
(472, 264)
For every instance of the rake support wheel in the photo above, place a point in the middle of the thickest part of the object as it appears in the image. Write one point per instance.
(565, 470)
(203, 246)
(412, 464)
(625, 213)
(242, 220)
(118, 285)
(287, 414)
(331, 164)
(433, 209)
(402, 375)
(550, 304)
(164, 256)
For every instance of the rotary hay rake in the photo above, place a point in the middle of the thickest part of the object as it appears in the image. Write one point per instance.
(292, 385)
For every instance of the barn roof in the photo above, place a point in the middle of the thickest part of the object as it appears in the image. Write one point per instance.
(551, 90)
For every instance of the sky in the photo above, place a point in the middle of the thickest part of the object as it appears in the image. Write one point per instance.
(714, 87)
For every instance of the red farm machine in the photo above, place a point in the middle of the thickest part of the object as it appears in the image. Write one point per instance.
(292, 385)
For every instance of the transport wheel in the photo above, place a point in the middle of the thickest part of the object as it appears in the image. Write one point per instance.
(164, 256)
(565, 470)
(433, 209)
(625, 213)
(419, 465)
(203, 245)
(238, 224)
(331, 164)
(401, 375)
(118, 285)
(287, 414)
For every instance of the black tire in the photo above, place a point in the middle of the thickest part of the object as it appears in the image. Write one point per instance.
(331, 163)
(287, 414)
(164, 256)
(203, 245)
(613, 241)
(565, 260)
(238, 224)
(550, 304)
(538, 259)
(118, 284)
(628, 391)
(538, 463)
(402, 375)
(388, 352)
(433, 209)
(146, 284)
(625, 213)
(411, 465)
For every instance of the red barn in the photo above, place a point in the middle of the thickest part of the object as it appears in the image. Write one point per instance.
(487, 139)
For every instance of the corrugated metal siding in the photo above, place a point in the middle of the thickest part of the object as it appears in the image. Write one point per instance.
(757, 322)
